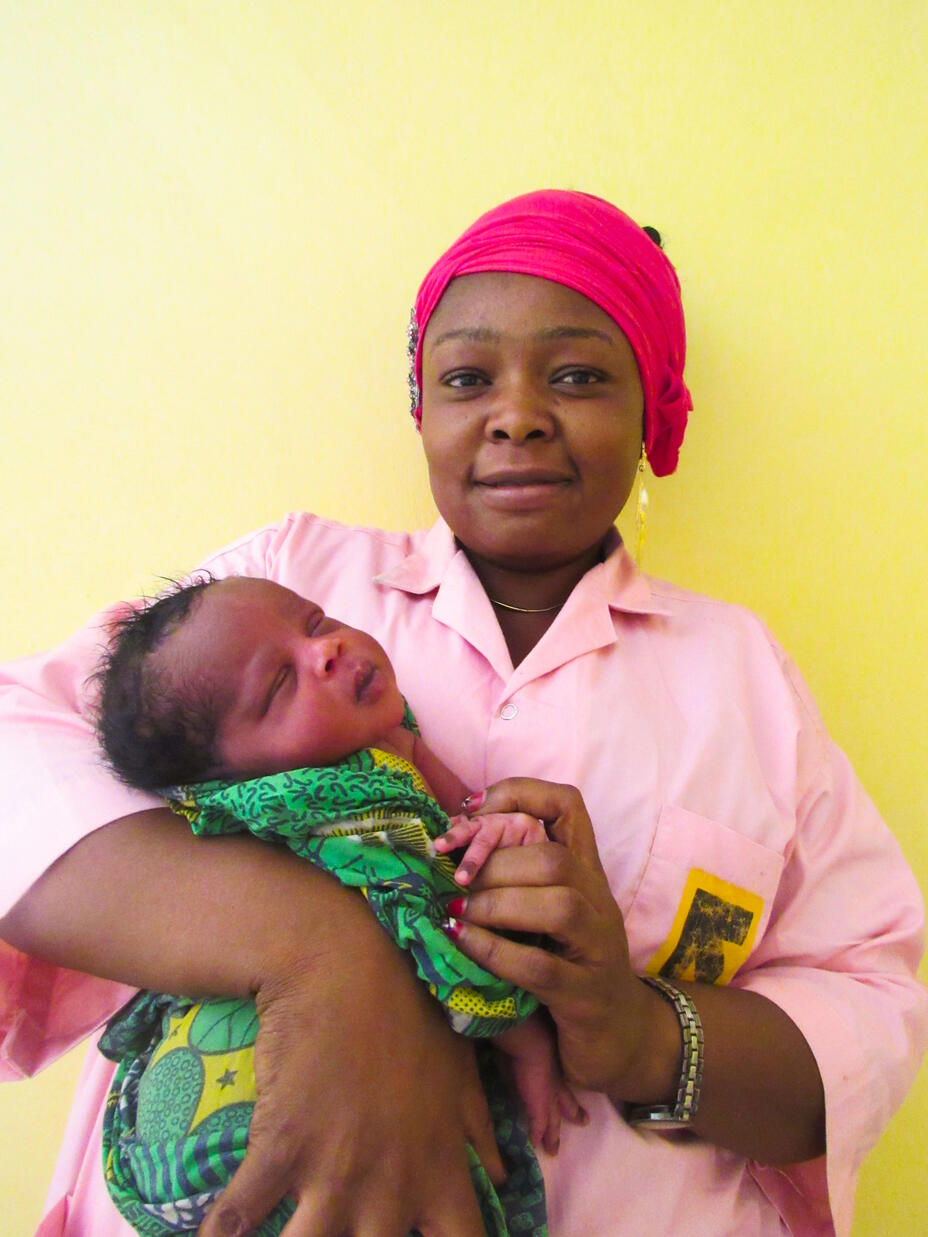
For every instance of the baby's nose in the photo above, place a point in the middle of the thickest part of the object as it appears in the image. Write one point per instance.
(323, 653)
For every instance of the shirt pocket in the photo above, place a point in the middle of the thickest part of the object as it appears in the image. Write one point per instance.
(703, 901)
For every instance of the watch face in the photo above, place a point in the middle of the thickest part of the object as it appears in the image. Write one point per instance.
(657, 1119)
(661, 1122)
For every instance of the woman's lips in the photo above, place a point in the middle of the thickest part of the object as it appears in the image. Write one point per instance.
(504, 477)
(521, 490)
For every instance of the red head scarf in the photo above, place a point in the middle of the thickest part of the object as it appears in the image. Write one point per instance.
(591, 246)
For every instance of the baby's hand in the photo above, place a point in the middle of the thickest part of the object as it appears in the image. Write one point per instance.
(547, 1098)
(483, 834)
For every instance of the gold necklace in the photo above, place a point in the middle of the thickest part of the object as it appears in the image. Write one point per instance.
(504, 605)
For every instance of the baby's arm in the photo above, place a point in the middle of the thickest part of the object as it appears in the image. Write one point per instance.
(484, 834)
(481, 834)
(442, 784)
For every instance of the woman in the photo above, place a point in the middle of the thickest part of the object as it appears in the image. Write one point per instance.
(734, 853)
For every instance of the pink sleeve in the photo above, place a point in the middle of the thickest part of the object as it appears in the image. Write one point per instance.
(841, 957)
(55, 792)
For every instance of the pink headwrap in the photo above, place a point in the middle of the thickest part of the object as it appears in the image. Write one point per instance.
(589, 245)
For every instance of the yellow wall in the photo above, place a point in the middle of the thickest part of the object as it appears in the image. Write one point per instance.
(213, 217)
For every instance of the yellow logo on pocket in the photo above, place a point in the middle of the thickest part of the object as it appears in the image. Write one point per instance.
(713, 931)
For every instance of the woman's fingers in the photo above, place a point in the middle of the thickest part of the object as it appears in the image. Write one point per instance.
(559, 890)
(536, 970)
(588, 987)
(384, 1194)
(566, 915)
(450, 1208)
(473, 1113)
(454, 1211)
(252, 1194)
(573, 891)
(268, 1173)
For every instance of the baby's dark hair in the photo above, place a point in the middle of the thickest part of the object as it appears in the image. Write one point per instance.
(156, 728)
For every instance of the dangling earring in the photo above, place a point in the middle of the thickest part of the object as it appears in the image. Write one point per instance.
(641, 509)
(412, 343)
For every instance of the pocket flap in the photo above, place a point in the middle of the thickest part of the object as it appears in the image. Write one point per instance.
(703, 901)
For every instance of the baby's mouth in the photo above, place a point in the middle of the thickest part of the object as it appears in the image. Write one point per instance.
(362, 681)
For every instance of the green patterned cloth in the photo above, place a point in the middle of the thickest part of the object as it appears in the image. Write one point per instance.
(177, 1117)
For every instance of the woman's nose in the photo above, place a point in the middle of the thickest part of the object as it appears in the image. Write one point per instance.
(521, 410)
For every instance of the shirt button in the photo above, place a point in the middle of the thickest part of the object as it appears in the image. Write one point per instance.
(509, 711)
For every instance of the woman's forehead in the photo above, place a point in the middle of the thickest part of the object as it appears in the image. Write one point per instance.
(472, 302)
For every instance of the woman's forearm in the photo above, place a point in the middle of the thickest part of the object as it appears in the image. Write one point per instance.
(343, 1123)
(144, 901)
(761, 1093)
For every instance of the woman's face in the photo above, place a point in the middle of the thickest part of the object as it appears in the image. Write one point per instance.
(531, 419)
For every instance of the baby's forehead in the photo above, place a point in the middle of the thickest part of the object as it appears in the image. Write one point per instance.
(239, 616)
(255, 590)
(231, 622)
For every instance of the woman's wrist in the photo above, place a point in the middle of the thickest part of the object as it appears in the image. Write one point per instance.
(650, 1072)
(682, 1110)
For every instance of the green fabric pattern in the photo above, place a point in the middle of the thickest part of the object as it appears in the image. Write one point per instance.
(177, 1117)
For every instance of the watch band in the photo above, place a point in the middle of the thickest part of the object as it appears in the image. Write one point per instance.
(681, 1113)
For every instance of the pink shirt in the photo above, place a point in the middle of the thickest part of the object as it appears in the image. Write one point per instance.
(736, 838)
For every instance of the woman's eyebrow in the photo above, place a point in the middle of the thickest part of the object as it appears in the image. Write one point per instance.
(475, 334)
(486, 335)
(572, 332)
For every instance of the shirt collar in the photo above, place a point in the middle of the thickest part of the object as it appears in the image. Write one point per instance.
(616, 579)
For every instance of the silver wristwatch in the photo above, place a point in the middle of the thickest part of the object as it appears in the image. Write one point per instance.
(681, 1113)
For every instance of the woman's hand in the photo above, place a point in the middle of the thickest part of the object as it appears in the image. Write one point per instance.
(761, 1094)
(366, 1101)
(608, 1026)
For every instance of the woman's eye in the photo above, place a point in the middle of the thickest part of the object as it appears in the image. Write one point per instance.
(462, 379)
(578, 377)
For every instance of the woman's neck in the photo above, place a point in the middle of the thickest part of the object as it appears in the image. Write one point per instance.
(532, 589)
(527, 601)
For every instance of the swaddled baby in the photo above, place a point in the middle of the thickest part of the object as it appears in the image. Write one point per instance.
(253, 710)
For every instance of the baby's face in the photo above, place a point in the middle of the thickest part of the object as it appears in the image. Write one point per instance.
(295, 687)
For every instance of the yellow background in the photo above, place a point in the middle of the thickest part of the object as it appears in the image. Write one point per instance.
(213, 218)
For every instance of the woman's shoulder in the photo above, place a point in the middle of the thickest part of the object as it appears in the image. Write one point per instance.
(710, 636)
(699, 612)
(273, 550)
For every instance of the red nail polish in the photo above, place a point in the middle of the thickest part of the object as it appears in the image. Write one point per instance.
(472, 802)
(452, 928)
(455, 907)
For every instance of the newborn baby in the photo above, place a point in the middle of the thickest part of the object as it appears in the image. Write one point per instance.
(252, 709)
